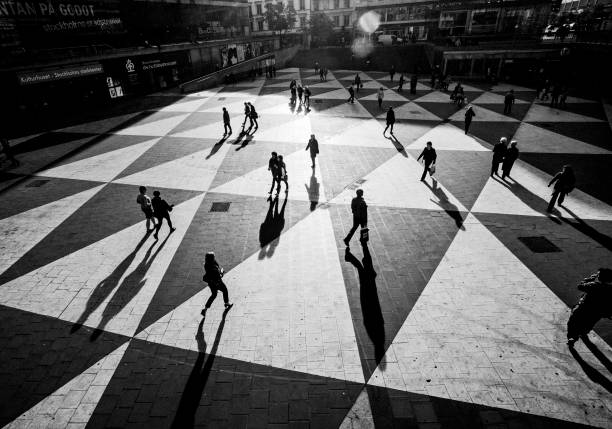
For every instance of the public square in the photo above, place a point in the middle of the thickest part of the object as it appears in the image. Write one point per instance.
(452, 316)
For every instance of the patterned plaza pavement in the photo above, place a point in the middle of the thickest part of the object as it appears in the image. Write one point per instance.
(453, 316)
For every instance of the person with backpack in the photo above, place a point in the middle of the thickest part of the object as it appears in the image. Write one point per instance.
(313, 145)
(360, 215)
(564, 181)
(213, 275)
(144, 202)
(161, 210)
(594, 304)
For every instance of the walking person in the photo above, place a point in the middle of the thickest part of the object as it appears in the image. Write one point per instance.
(564, 181)
(300, 92)
(282, 169)
(381, 95)
(554, 98)
(274, 168)
(499, 152)
(8, 152)
(213, 275)
(593, 305)
(226, 123)
(469, 115)
(292, 88)
(508, 102)
(253, 116)
(429, 160)
(321, 74)
(307, 94)
(413, 83)
(390, 120)
(351, 92)
(360, 215)
(316, 67)
(313, 145)
(146, 206)
(325, 71)
(357, 82)
(162, 210)
(401, 83)
(392, 72)
(512, 155)
(563, 98)
(247, 114)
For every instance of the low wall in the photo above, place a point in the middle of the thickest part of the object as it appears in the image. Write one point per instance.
(239, 71)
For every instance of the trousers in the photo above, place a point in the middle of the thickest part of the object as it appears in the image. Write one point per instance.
(214, 290)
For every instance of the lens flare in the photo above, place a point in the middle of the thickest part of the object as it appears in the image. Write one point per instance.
(369, 22)
(362, 47)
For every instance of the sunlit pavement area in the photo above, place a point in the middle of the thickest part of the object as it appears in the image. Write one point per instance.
(453, 316)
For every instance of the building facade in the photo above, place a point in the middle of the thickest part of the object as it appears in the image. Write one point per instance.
(427, 19)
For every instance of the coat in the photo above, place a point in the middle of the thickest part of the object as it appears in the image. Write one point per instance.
(359, 208)
(428, 155)
(390, 117)
(512, 155)
(160, 207)
(313, 145)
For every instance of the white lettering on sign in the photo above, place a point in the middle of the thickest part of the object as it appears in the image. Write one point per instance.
(46, 76)
(13, 9)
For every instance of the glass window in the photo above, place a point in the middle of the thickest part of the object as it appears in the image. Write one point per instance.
(290, 4)
(336, 4)
(336, 21)
(260, 25)
(315, 4)
(347, 20)
(302, 21)
(302, 4)
(347, 3)
(258, 7)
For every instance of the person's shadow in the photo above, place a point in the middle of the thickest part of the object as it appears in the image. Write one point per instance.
(589, 370)
(444, 203)
(245, 142)
(271, 228)
(398, 145)
(107, 286)
(128, 289)
(370, 305)
(196, 383)
(216, 147)
(313, 191)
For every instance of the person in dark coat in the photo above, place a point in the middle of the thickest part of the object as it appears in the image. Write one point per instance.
(508, 102)
(313, 145)
(226, 123)
(274, 169)
(469, 115)
(499, 152)
(307, 94)
(401, 83)
(7, 150)
(247, 114)
(300, 92)
(161, 210)
(293, 89)
(213, 275)
(512, 155)
(392, 72)
(413, 83)
(564, 181)
(360, 215)
(253, 116)
(357, 82)
(554, 96)
(429, 158)
(594, 304)
(390, 120)
(351, 92)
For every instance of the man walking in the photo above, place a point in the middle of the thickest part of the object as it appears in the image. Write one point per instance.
(247, 114)
(274, 169)
(300, 92)
(162, 210)
(313, 145)
(357, 82)
(390, 120)
(226, 123)
(469, 115)
(499, 152)
(564, 182)
(508, 102)
(401, 83)
(351, 92)
(392, 72)
(512, 155)
(253, 116)
(413, 83)
(213, 274)
(360, 215)
(307, 93)
(144, 202)
(381, 95)
(429, 158)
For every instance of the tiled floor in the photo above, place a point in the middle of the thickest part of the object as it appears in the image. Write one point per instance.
(447, 319)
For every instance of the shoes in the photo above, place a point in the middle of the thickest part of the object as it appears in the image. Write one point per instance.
(155, 236)
(172, 229)
(571, 341)
(228, 305)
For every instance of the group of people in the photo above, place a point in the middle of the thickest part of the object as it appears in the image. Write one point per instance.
(250, 114)
(556, 92)
(504, 155)
(155, 210)
(300, 92)
(321, 71)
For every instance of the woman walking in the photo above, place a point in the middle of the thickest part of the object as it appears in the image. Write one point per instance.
(564, 182)
(213, 274)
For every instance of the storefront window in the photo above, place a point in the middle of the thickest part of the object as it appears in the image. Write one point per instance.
(484, 20)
